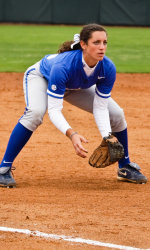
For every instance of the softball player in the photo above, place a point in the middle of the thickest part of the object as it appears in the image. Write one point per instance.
(82, 75)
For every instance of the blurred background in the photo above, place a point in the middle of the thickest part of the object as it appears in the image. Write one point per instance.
(30, 29)
(106, 12)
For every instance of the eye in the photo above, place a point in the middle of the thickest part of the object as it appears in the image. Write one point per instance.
(96, 42)
(99, 42)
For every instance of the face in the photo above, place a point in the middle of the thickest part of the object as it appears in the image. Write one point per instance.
(95, 48)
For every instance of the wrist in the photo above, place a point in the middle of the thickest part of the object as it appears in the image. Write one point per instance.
(109, 136)
(70, 132)
(74, 133)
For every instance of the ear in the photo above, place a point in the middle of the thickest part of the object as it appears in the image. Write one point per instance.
(82, 44)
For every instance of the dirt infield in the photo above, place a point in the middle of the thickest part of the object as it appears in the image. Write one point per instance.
(59, 193)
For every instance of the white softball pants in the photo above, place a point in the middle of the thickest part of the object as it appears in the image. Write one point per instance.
(36, 98)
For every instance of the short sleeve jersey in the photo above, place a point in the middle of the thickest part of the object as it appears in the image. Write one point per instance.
(65, 71)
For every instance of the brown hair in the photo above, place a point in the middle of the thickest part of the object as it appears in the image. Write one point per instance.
(85, 35)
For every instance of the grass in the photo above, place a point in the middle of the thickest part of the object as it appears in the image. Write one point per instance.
(23, 45)
(129, 49)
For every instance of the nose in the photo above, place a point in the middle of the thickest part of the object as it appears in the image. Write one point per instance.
(102, 46)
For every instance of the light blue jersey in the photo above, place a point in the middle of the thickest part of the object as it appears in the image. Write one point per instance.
(65, 71)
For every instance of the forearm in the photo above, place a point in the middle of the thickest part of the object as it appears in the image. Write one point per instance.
(101, 115)
(54, 110)
(103, 122)
(59, 121)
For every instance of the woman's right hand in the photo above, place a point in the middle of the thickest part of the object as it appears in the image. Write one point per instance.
(77, 143)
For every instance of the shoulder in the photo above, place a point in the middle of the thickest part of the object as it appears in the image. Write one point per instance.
(62, 57)
(108, 65)
(69, 60)
(64, 63)
(69, 54)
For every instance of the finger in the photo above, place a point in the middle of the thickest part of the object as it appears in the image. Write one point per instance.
(84, 139)
(82, 148)
(83, 155)
(81, 152)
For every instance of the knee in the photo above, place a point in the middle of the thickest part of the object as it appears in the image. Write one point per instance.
(118, 122)
(120, 114)
(32, 118)
(37, 116)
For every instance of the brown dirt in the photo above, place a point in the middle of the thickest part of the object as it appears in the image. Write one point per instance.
(58, 192)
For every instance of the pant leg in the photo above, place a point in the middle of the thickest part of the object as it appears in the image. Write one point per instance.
(35, 92)
(82, 98)
(117, 118)
(35, 88)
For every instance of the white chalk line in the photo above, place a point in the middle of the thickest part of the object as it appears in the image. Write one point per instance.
(67, 238)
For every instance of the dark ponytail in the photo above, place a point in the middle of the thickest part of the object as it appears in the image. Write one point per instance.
(66, 46)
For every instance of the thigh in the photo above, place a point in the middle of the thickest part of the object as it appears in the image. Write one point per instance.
(82, 98)
(35, 89)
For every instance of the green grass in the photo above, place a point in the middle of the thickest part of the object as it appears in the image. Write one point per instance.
(129, 48)
(23, 45)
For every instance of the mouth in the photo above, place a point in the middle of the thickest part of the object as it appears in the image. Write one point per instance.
(101, 54)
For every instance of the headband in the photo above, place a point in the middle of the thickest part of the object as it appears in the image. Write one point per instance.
(76, 40)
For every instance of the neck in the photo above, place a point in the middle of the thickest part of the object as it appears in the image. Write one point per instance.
(90, 62)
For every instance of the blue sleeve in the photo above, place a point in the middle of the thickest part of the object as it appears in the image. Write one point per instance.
(57, 81)
(105, 83)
